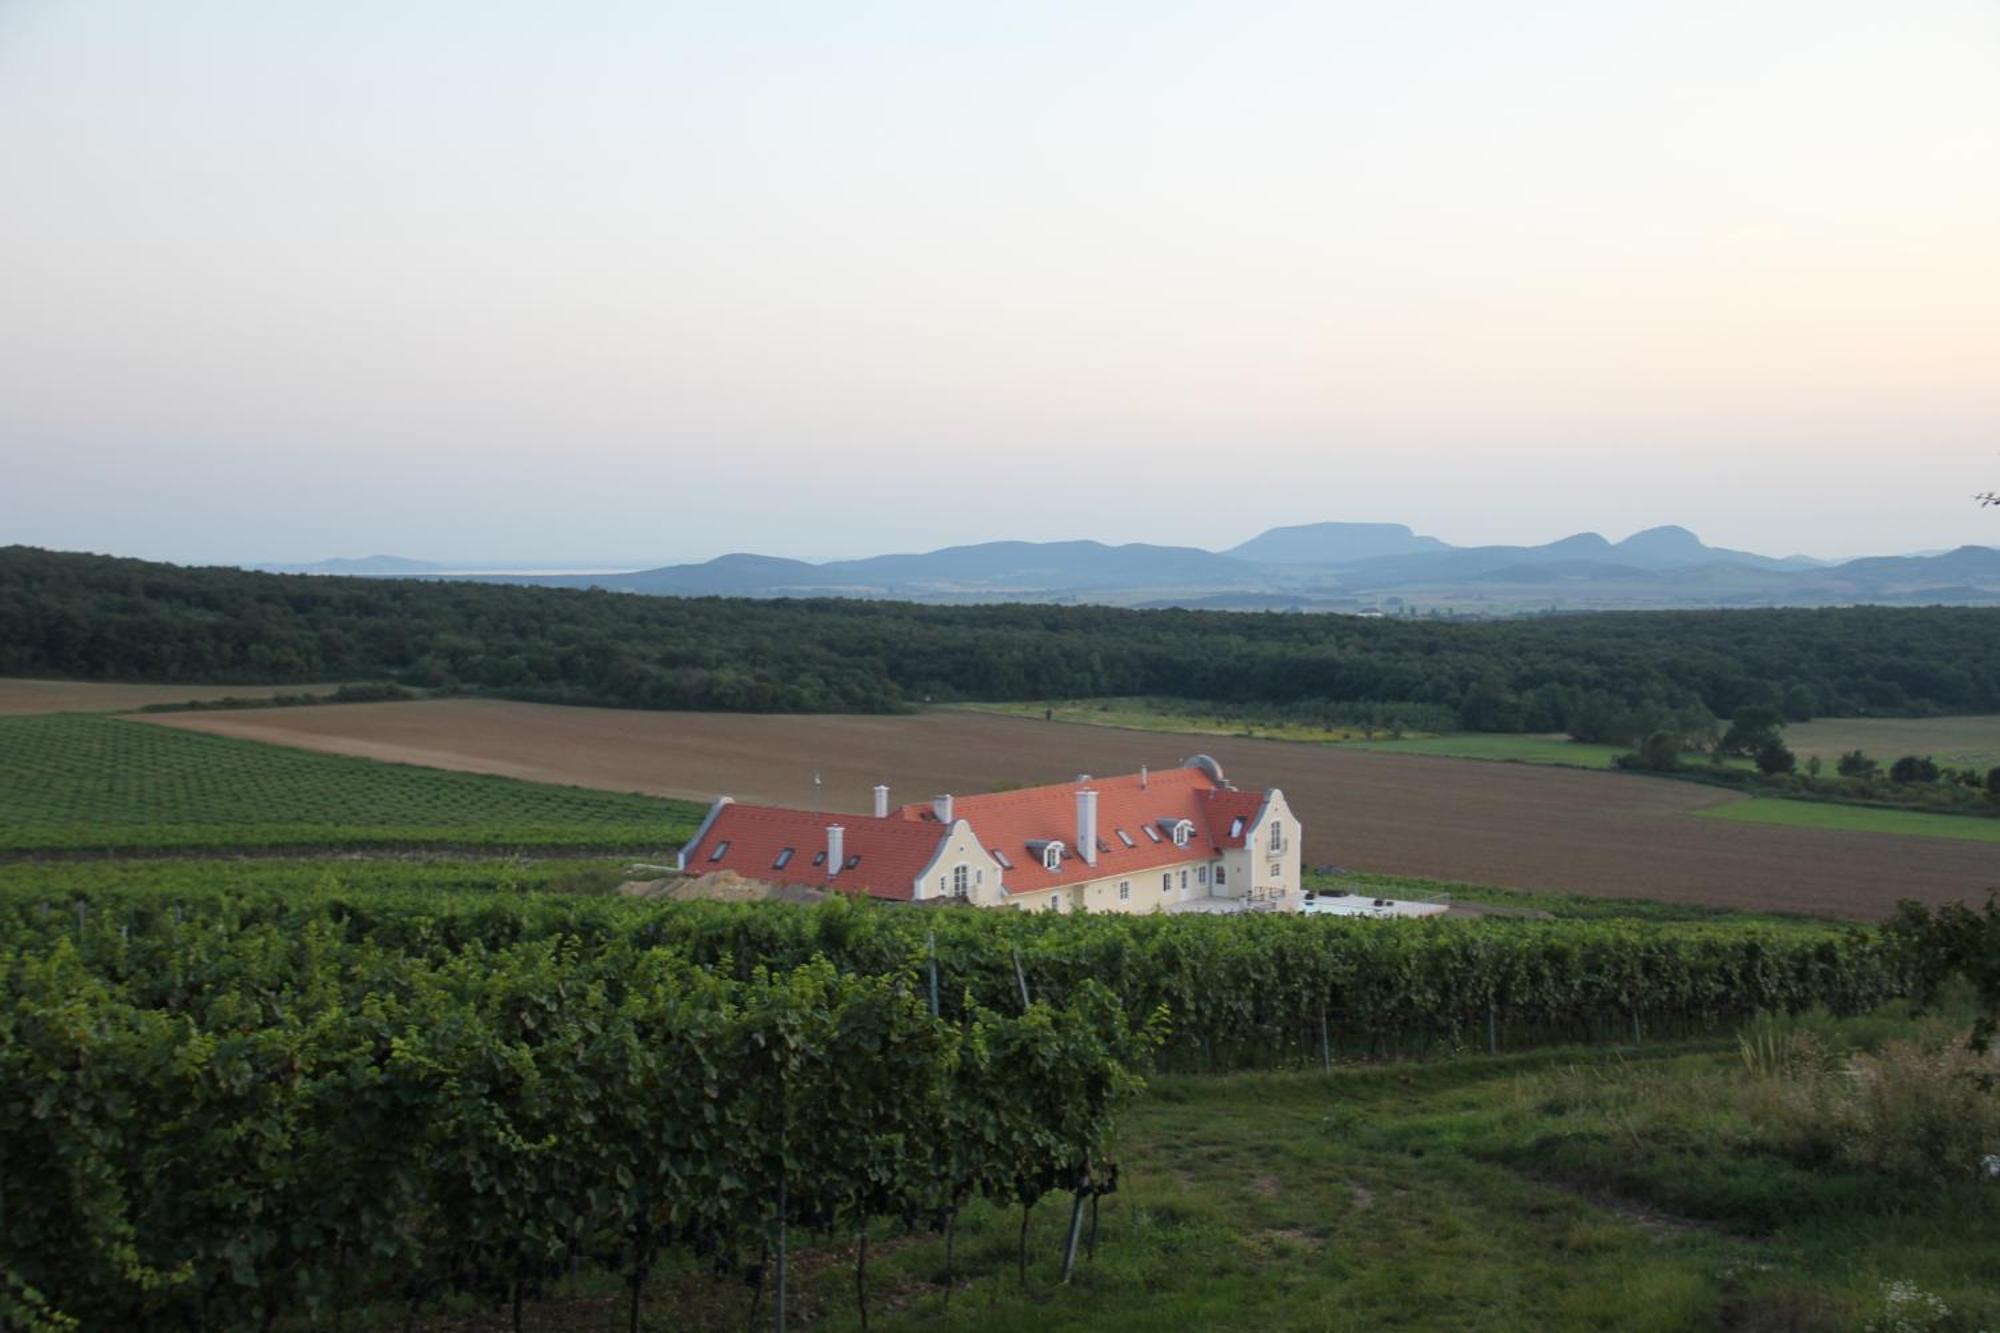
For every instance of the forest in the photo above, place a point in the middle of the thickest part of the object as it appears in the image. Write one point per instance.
(1614, 676)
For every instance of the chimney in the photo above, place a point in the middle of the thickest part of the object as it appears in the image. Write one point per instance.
(836, 849)
(1142, 777)
(1083, 777)
(941, 807)
(881, 802)
(1086, 825)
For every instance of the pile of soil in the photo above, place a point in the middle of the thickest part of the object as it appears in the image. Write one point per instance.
(721, 886)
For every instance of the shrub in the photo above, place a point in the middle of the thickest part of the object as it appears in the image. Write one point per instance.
(1773, 757)
(1855, 764)
(1913, 768)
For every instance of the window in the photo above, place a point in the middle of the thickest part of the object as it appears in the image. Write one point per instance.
(784, 859)
(1052, 856)
(1276, 869)
(1201, 875)
(1181, 832)
(1055, 902)
(1277, 836)
(819, 858)
(1167, 882)
(1183, 881)
(961, 880)
(1236, 827)
(721, 850)
(1001, 857)
(1150, 832)
(1124, 837)
(1221, 876)
(1124, 890)
(852, 861)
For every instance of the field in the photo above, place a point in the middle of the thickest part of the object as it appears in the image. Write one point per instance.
(1856, 819)
(98, 783)
(23, 697)
(1514, 826)
(1961, 742)
(1188, 717)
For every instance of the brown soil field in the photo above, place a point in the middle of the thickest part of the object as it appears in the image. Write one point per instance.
(19, 697)
(1513, 825)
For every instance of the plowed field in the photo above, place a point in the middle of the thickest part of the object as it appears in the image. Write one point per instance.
(18, 697)
(1516, 825)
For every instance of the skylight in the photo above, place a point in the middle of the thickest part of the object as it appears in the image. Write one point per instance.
(1236, 827)
(721, 850)
(1001, 857)
(852, 861)
(1125, 837)
(1150, 832)
(819, 858)
(784, 859)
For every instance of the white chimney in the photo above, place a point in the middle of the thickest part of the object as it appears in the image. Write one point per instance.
(1142, 777)
(1086, 825)
(836, 849)
(941, 807)
(881, 802)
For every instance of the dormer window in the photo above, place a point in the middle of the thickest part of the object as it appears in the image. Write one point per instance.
(1180, 830)
(1236, 827)
(1050, 854)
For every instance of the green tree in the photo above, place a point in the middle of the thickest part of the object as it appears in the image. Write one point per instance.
(1774, 758)
(1993, 781)
(1913, 768)
(1753, 728)
(1855, 764)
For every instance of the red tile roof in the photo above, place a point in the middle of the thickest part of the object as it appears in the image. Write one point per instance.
(893, 851)
(1224, 808)
(1009, 821)
(896, 849)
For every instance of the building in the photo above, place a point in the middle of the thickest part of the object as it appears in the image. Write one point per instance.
(1183, 839)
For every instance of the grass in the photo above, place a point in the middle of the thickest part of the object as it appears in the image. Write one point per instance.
(1960, 742)
(1521, 749)
(1181, 716)
(1570, 1189)
(77, 783)
(1854, 819)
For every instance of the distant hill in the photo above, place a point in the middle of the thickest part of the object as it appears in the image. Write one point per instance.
(1333, 544)
(367, 564)
(1310, 566)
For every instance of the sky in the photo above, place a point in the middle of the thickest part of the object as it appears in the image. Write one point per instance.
(626, 284)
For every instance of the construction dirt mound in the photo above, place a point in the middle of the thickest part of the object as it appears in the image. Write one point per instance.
(721, 886)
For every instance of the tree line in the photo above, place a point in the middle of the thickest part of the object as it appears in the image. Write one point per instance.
(1615, 676)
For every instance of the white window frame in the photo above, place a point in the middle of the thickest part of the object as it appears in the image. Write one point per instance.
(1277, 835)
(1221, 875)
(961, 880)
(1052, 856)
(1124, 890)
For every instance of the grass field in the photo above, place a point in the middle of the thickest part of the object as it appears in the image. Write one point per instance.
(1170, 715)
(82, 783)
(1961, 742)
(1512, 749)
(1858, 819)
(20, 697)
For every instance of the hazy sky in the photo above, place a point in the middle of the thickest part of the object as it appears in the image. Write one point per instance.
(641, 282)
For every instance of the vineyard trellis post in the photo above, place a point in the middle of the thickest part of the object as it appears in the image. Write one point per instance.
(930, 943)
(1022, 978)
(1492, 1028)
(1325, 1044)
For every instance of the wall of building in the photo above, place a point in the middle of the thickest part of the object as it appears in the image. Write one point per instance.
(1148, 891)
(961, 848)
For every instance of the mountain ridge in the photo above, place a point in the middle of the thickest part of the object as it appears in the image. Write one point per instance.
(1353, 566)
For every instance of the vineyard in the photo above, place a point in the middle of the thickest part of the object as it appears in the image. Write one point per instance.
(95, 783)
(359, 1097)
